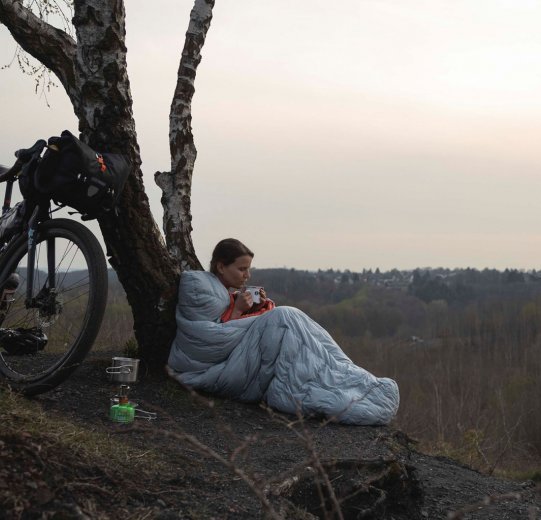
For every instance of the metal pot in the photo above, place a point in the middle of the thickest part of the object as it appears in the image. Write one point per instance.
(124, 370)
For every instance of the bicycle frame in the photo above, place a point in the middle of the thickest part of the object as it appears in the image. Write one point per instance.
(48, 326)
(33, 222)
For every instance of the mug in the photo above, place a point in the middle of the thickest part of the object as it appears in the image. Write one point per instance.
(254, 291)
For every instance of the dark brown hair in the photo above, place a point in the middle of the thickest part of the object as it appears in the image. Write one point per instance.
(226, 252)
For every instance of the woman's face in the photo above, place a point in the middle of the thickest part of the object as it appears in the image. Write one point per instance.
(236, 274)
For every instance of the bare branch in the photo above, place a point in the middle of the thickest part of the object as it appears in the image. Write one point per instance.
(53, 47)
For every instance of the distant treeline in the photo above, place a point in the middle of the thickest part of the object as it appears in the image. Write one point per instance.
(400, 304)
(408, 303)
(451, 285)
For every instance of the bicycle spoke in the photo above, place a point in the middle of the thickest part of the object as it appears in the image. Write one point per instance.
(59, 312)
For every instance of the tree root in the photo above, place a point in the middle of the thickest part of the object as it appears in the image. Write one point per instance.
(375, 489)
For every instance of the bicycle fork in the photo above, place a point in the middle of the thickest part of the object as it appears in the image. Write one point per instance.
(30, 271)
(45, 299)
(51, 258)
(50, 286)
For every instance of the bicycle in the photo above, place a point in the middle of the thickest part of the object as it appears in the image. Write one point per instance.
(53, 287)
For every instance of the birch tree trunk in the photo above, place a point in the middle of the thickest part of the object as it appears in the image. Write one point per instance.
(93, 72)
(176, 185)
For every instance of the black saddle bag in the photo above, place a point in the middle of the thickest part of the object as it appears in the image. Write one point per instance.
(71, 173)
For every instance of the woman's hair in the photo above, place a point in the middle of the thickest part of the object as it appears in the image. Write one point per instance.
(226, 252)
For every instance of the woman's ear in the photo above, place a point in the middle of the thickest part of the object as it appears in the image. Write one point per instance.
(220, 267)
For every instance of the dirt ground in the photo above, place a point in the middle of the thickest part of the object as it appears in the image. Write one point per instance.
(204, 459)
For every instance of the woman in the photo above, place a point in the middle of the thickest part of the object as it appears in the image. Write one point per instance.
(228, 346)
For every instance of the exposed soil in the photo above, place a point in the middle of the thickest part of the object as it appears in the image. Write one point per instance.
(159, 471)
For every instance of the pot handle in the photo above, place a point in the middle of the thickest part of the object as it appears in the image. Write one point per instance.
(121, 369)
(149, 416)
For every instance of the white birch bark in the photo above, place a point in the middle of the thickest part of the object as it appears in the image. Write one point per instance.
(176, 184)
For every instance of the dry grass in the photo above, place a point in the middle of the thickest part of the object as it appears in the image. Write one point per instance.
(21, 416)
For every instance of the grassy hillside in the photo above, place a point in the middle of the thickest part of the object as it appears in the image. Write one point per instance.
(61, 457)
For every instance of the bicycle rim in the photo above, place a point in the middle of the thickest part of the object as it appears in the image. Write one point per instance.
(41, 343)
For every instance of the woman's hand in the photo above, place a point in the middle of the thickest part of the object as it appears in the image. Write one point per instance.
(262, 300)
(243, 303)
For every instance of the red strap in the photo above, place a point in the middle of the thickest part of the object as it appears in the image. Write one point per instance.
(226, 316)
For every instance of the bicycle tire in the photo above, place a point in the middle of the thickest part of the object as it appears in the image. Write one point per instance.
(71, 316)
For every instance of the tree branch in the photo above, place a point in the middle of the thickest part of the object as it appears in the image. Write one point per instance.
(176, 184)
(47, 44)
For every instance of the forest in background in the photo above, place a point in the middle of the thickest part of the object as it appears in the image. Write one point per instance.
(464, 346)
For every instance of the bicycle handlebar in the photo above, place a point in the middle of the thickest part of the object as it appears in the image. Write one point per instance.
(7, 174)
(23, 155)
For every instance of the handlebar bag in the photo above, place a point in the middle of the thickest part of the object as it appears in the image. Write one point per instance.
(71, 173)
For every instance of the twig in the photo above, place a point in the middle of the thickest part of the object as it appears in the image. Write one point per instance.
(308, 442)
(508, 433)
(207, 450)
(487, 501)
(89, 485)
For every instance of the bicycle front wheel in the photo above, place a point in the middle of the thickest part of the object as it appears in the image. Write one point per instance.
(45, 337)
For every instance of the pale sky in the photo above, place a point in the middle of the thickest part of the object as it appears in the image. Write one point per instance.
(350, 134)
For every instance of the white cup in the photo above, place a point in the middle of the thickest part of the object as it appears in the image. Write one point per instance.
(254, 291)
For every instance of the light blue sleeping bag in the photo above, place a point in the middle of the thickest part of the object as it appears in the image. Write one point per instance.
(281, 357)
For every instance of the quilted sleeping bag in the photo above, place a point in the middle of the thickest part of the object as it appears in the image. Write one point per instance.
(282, 357)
